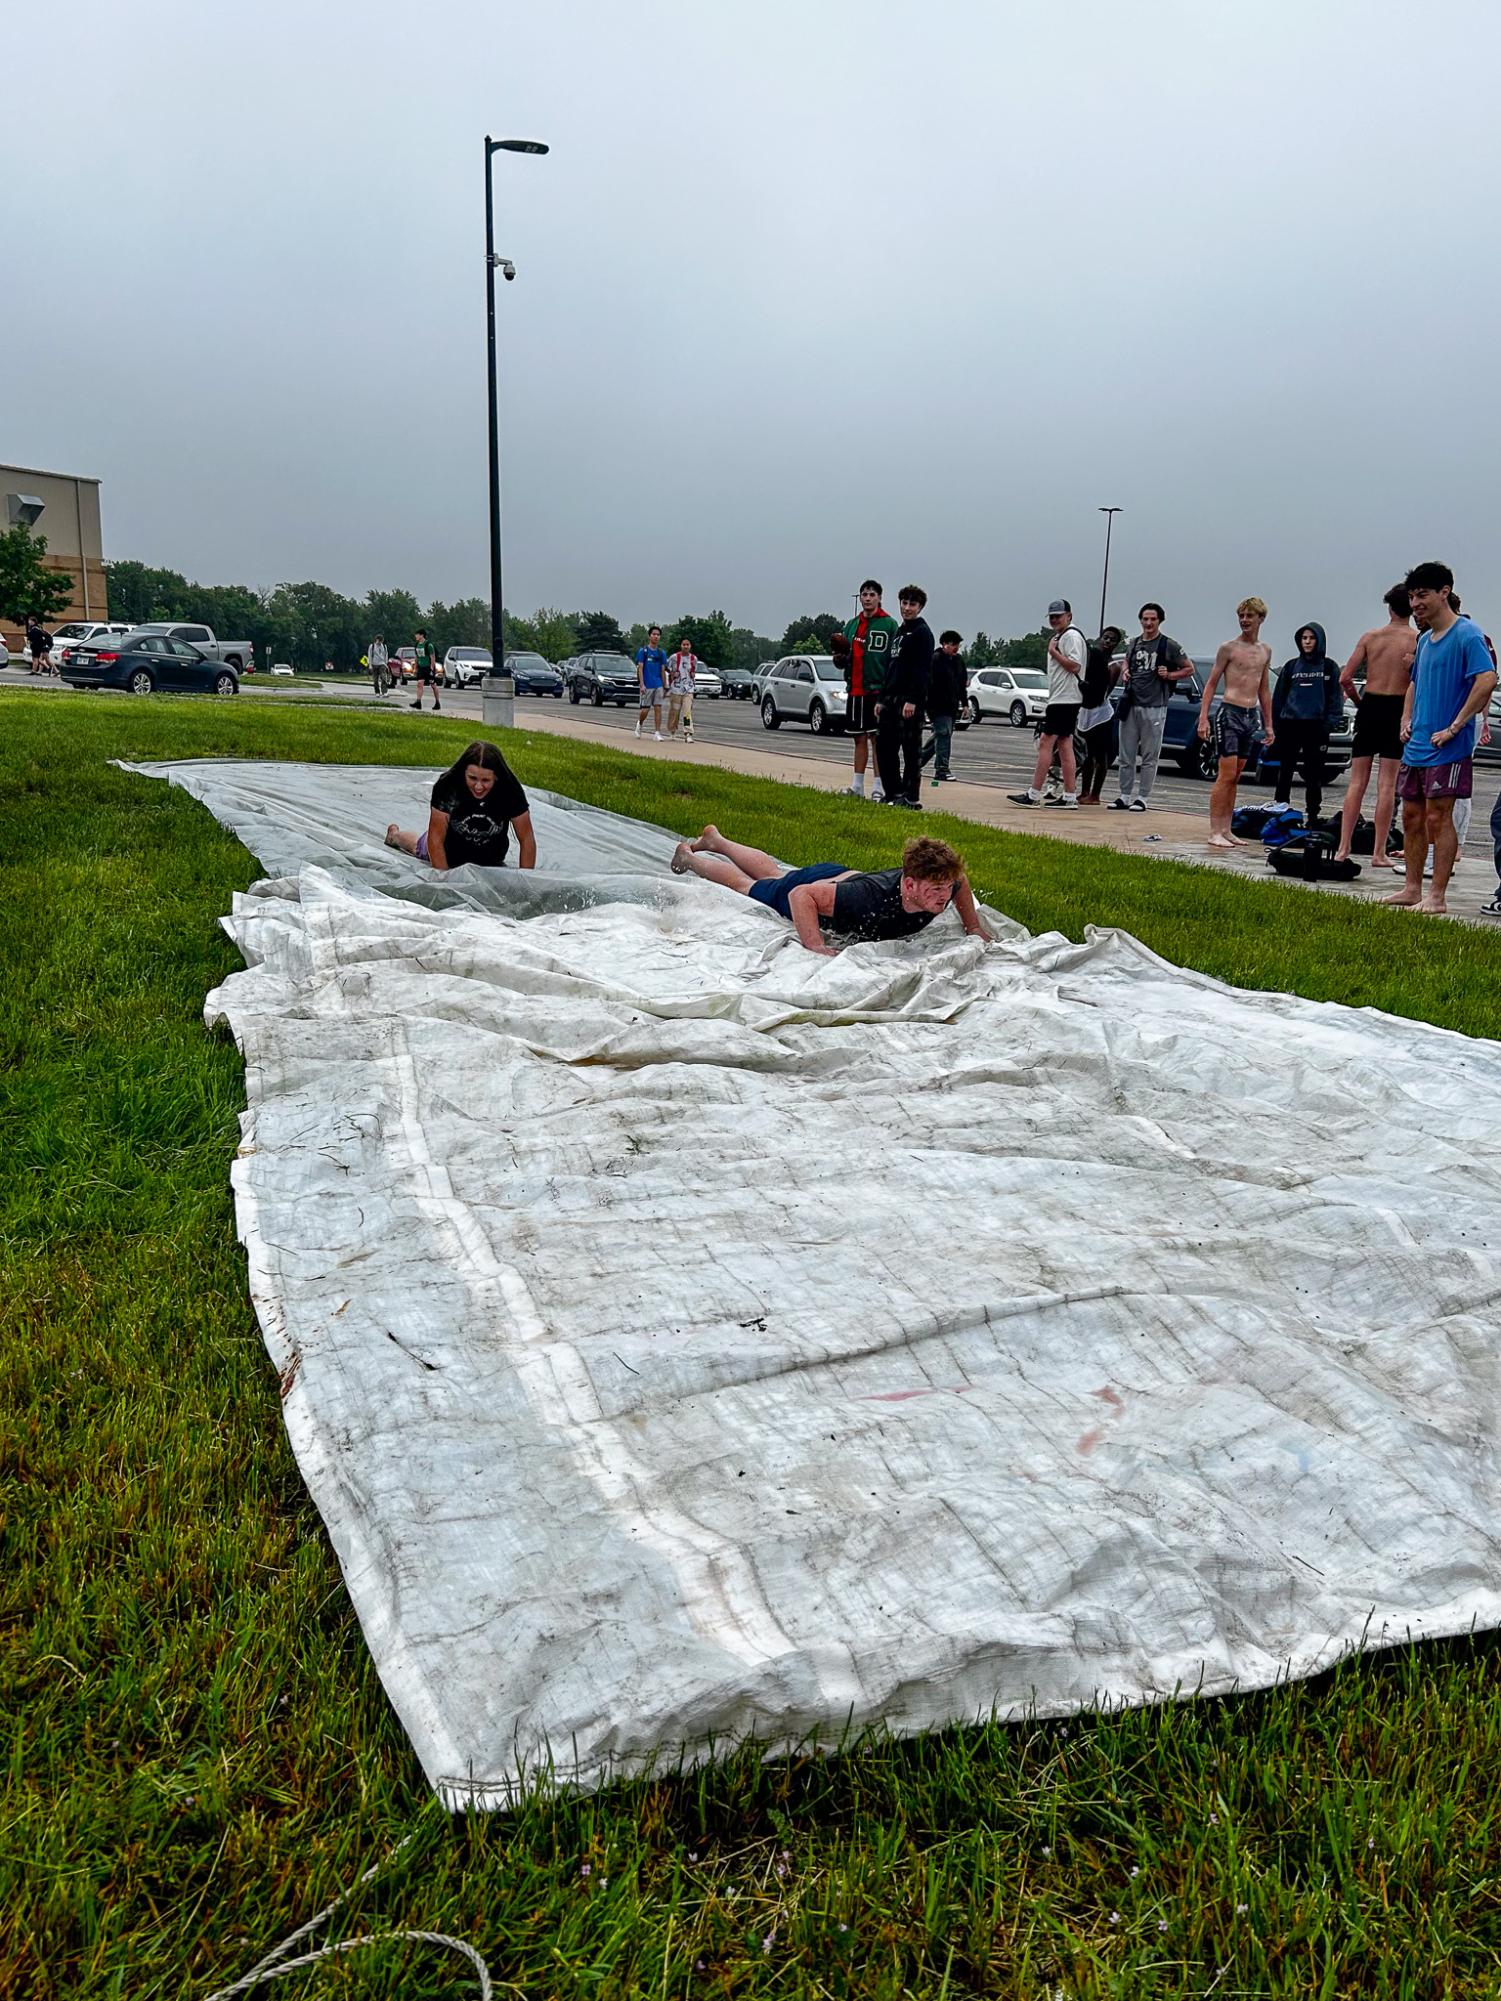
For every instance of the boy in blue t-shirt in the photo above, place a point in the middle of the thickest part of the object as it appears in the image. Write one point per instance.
(651, 671)
(1452, 679)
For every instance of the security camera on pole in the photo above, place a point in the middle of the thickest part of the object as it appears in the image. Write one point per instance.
(498, 692)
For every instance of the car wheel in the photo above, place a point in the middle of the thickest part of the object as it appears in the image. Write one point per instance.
(770, 720)
(226, 684)
(139, 682)
(597, 696)
(234, 660)
(573, 693)
(974, 709)
(1018, 714)
(818, 720)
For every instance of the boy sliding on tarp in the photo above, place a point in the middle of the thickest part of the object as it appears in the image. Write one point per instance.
(887, 903)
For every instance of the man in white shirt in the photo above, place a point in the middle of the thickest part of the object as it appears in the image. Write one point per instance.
(1067, 652)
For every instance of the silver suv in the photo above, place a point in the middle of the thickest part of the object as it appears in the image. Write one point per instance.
(804, 688)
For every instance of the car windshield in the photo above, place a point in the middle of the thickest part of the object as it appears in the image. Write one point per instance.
(470, 653)
(827, 671)
(1027, 677)
(71, 631)
(525, 659)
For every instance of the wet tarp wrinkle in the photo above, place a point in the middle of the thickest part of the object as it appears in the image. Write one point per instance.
(686, 1337)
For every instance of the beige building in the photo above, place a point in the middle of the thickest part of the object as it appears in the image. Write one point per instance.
(65, 509)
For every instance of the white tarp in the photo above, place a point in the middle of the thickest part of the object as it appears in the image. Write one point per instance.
(684, 1336)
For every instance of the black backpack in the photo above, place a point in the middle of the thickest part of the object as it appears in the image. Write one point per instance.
(1309, 857)
(1094, 682)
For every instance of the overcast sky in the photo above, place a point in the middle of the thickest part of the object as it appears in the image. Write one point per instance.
(807, 289)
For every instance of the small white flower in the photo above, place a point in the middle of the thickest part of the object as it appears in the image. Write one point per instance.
(1162, 1924)
(1136, 1871)
(1214, 1820)
(1241, 1909)
(584, 1868)
(1047, 1851)
(1115, 1917)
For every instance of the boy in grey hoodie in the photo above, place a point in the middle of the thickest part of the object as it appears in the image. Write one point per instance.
(1306, 706)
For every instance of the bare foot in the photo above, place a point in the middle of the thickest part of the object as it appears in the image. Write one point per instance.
(706, 839)
(1378, 861)
(1407, 899)
(1235, 840)
(392, 834)
(1223, 841)
(680, 862)
(1432, 906)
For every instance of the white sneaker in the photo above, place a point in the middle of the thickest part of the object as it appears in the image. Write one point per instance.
(656, 736)
(878, 797)
(638, 729)
(854, 791)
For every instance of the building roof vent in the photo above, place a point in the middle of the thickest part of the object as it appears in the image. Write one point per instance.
(23, 509)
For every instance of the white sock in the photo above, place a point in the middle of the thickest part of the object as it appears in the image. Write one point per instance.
(857, 783)
(1033, 793)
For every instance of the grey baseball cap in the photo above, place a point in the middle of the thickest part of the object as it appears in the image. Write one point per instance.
(1058, 608)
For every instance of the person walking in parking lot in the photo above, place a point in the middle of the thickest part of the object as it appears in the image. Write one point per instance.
(39, 643)
(1155, 665)
(1067, 653)
(651, 674)
(947, 692)
(1386, 655)
(425, 661)
(1305, 708)
(1242, 665)
(903, 700)
(379, 661)
(681, 668)
(869, 633)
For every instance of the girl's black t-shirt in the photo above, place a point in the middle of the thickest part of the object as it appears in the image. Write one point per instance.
(479, 830)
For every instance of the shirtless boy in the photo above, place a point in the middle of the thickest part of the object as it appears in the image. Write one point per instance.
(1242, 665)
(1386, 653)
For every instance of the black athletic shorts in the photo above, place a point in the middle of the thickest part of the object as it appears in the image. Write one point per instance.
(860, 716)
(1378, 726)
(1058, 718)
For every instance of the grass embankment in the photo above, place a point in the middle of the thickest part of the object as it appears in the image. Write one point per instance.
(200, 1752)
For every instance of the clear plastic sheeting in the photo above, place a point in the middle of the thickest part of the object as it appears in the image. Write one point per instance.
(685, 1337)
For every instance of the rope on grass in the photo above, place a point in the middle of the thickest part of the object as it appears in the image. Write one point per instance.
(276, 1963)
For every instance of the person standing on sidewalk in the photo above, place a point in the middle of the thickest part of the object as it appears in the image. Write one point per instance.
(1452, 682)
(1386, 655)
(904, 695)
(681, 668)
(1067, 652)
(948, 690)
(39, 644)
(870, 633)
(1306, 706)
(1155, 665)
(425, 664)
(379, 662)
(651, 673)
(1245, 711)
(1097, 724)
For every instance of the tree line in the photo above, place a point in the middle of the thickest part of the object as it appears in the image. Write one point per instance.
(307, 624)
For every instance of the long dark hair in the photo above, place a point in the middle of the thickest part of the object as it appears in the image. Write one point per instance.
(481, 753)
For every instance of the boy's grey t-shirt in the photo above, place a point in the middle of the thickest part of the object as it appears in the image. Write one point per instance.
(1142, 662)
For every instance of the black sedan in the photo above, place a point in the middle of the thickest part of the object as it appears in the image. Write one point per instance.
(739, 683)
(533, 675)
(142, 662)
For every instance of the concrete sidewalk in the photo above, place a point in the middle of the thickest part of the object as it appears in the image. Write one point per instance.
(1163, 836)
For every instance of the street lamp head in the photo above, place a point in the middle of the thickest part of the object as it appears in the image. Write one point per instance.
(516, 146)
(1109, 510)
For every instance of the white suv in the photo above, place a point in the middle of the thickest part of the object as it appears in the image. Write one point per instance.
(463, 665)
(1020, 694)
(804, 688)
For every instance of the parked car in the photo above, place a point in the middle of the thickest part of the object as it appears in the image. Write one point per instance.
(1491, 751)
(533, 675)
(236, 653)
(4, 654)
(1020, 694)
(82, 632)
(804, 688)
(282, 672)
(142, 662)
(464, 665)
(600, 678)
(707, 682)
(739, 684)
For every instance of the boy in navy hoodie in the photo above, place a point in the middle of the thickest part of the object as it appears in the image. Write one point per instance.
(1306, 705)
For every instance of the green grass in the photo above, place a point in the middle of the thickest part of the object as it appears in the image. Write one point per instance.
(200, 1754)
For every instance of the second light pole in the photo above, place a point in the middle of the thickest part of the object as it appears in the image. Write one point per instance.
(1109, 514)
(497, 621)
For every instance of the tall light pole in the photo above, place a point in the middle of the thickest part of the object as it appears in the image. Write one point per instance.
(1109, 514)
(497, 623)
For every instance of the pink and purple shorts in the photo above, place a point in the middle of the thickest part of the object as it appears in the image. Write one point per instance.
(1435, 781)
